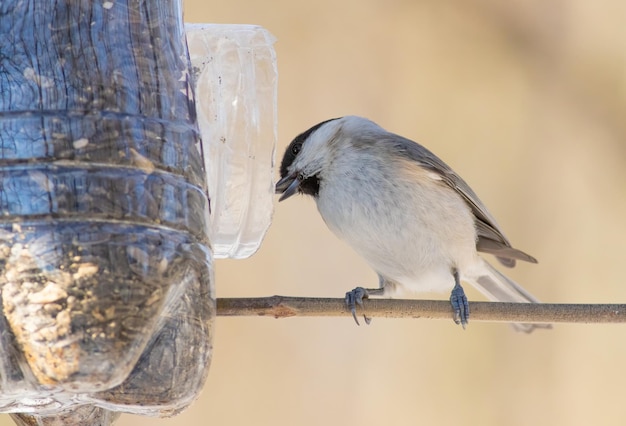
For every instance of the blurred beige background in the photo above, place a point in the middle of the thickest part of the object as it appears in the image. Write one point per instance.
(526, 100)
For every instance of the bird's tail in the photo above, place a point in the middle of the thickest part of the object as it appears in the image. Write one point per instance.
(497, 287)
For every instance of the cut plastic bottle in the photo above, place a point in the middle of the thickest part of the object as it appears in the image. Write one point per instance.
(236, 76)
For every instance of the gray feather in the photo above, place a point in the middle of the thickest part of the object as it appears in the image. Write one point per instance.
(497, 286)
(491, 239)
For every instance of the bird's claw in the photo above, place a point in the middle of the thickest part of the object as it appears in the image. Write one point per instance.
(355, 297)
(459, 303)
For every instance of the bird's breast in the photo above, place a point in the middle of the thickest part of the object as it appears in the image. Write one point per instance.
(408, 225)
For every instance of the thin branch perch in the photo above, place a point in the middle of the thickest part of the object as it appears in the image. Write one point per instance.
(283, 306)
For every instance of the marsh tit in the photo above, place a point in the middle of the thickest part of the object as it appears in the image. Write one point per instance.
(408, 214)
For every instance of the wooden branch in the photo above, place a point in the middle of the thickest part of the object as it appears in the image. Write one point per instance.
(282, 307)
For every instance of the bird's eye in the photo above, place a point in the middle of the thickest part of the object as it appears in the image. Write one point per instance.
(296, 148)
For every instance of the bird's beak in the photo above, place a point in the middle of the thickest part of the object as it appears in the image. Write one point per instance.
(287, 186)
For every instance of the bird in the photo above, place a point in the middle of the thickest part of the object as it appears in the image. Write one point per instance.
(414, 221)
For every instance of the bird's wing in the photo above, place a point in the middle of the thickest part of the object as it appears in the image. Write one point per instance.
(491, 239)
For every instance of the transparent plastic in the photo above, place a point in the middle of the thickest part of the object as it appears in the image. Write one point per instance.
(107, 282)
(235, 73)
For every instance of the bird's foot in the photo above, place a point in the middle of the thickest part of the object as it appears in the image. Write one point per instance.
(459, 303)
(355, 297)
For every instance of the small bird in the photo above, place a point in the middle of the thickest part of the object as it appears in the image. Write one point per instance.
(409, 215)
